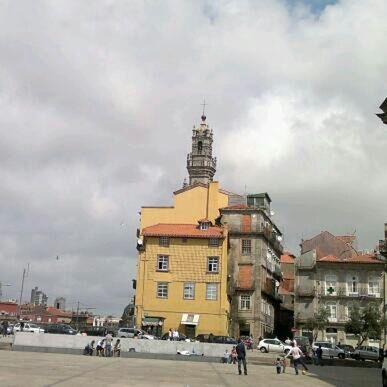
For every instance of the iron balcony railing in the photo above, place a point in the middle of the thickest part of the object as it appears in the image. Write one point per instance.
(345, 292)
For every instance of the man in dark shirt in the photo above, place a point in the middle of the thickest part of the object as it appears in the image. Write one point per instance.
(241, 356)
(319, 353)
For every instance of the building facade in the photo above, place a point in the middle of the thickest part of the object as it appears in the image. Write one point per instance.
(253, 266)
(331, 273)
(182, 272)
(38, 297)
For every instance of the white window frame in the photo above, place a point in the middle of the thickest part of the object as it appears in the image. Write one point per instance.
(351, 279)
(213, 264)
(189, 291)
(164, 241)
(162, 290)
(211, 291)
(373, 285)
(246, 250)
(204, 225)
(331, 281)
(245, 302)
(332, 308)
(162, 262)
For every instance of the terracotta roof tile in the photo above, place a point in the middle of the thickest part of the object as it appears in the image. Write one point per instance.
(182, 231)
(365, 258)
(287, 258)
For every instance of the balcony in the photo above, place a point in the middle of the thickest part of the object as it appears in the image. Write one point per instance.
(269, 288)
(343, 292)
(306, 291)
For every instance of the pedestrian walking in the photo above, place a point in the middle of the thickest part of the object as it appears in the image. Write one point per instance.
(297, 355)
(241, 357)
(108, 345)
(117, 349)
(284, 363)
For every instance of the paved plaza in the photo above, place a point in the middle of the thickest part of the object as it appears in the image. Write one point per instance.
(40, 369)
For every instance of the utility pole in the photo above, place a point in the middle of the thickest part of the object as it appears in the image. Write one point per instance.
(77, 324)
(21, 292)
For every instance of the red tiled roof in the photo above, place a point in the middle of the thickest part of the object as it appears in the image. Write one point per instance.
(58, 312)
(365, 258)
(182, 231)
(287, 258)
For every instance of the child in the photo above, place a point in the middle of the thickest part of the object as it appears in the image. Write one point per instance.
(117, 349)
(225, 357)
(284, 364)
(278, 365)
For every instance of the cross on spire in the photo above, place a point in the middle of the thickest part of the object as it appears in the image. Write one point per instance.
(204, 104)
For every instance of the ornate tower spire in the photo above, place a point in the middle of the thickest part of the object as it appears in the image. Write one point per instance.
(200, 163)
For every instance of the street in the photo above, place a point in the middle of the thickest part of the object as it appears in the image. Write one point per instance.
(46, 370)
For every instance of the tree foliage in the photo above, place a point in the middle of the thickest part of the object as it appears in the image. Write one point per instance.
(367, 322)
(318, 322)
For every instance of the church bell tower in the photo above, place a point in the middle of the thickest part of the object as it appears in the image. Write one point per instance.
(200, 163)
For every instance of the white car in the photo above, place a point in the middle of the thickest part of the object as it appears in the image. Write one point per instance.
(28, 327)
(329, 350)
(273, 345)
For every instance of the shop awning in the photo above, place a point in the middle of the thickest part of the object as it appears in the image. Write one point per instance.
(149, 321)
(190, 319)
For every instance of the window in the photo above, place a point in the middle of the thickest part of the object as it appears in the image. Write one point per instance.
(213, 264)
(332, 309)
(204, 225)
(244, 302)
(330, 285)
(200, 147)
(189, 291)
(373, 285)
(164, 241)
(352, 284)
(211, 291)
(213, 242)
(162, 290)
(162, 263)
(246, 247)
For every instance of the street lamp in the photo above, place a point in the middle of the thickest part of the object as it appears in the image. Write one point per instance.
(383, 116)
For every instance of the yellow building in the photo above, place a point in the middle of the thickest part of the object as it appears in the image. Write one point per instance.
(182, 264)
(182, 279)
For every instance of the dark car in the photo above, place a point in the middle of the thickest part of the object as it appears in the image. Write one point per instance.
(348, 349)
(182, 337)
(203, 338)
(61, 329)
(97, 331)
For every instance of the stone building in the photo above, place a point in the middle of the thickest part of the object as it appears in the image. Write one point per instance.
(331, 272)
(253, 266)
(38, 297)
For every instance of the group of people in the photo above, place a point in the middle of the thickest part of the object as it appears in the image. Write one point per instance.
(236, 355)
(104, 347)
(298, 359)
(173, 335)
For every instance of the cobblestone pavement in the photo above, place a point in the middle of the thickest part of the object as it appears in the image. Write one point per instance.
(31, 369)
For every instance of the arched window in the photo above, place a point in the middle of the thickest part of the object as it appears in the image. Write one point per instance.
(200, 147)
(353, 284)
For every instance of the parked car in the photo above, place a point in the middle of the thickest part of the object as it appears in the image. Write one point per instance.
(273, 345)
(348, 349)
(62, 329)
(97, 331)
(367, 353)
(132, 332)
(329, 350)
(384, 370)
(28, 327)
(304, 344)
(205, 338)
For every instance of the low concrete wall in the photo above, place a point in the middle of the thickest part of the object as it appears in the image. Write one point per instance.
(69, 342)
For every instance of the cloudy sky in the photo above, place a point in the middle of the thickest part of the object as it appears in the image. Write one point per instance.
(97, 103)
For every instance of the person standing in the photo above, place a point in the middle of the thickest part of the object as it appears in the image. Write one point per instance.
(241, 357)
(318, 354)
(297, 358)
(117, 348)
(108, 345)
(175, 335)
(288, 341)
(170, 334)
